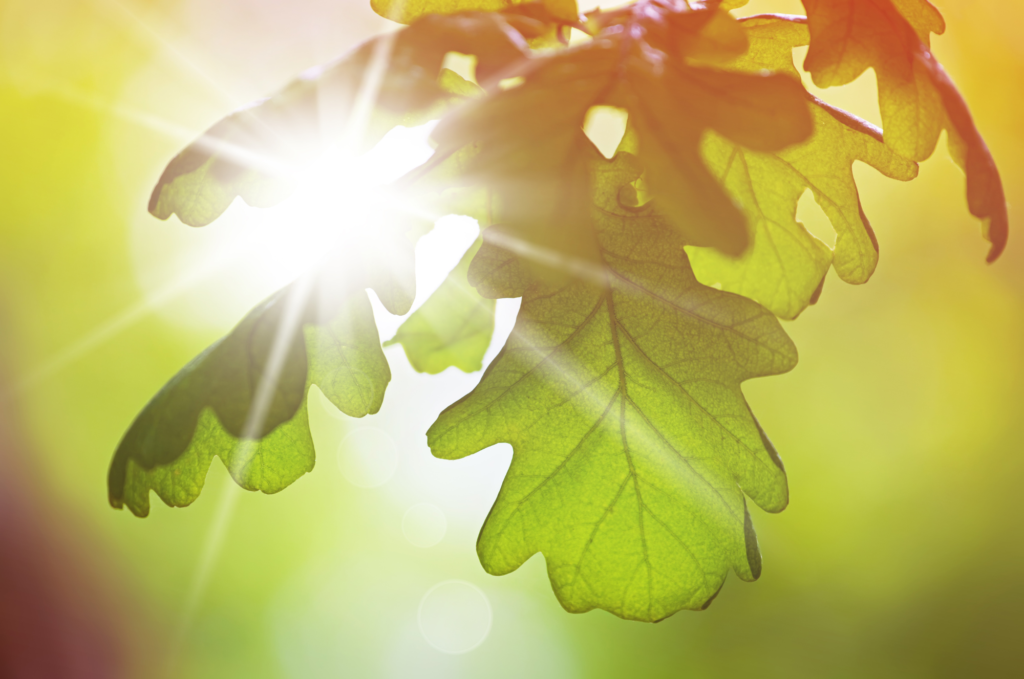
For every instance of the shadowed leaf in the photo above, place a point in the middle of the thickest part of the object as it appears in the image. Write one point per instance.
(244, 398)
(537, 165)
(345, 361)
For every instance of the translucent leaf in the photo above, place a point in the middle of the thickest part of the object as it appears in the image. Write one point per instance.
(244, 398)
(619, 392)
(916, 97)
(785, 265)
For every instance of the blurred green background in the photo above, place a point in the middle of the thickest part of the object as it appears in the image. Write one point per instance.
(899, 556)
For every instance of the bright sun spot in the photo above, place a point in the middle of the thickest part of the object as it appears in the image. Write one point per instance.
(337, 201)
(203, 277)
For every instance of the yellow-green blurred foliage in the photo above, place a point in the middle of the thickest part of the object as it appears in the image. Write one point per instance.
(899, 556)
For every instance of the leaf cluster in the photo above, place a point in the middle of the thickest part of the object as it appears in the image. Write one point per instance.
(651, 281)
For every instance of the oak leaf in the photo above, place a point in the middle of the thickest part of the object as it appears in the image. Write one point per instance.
(244, 398)
(620, 394)
(916, 96)
(785, 265)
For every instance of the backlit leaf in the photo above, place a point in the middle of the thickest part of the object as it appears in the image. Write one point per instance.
(785, 265)
(244, 398)
(916, 97)
(620, 394)
(172, 443)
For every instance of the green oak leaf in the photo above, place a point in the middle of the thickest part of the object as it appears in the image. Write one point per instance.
(244, 398)
(785, 265)
(452, 328)
(261, 151)
(345, 362)
(620, 394)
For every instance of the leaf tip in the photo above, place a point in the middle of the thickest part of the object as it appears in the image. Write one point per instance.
(753, 551)
(707, 603)
(816, 295)
(996, 231)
